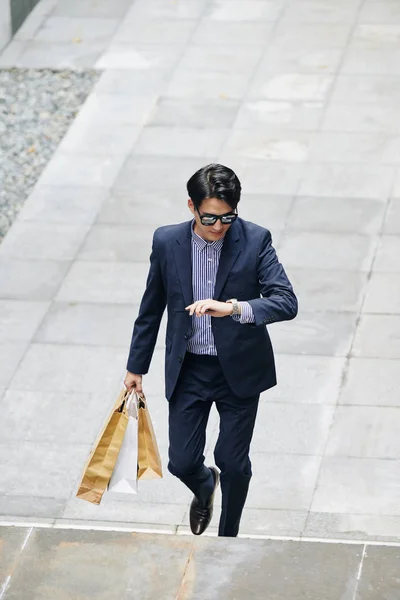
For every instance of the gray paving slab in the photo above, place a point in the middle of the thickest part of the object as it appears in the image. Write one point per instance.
(371, 382)
(279, 115)
(65, 29)
(67, 55)
(380, 574)
(387, 257)
(345, 526)
(292, 428)
(160, 31)
(307, 379)
(377, 336)
(82, 170)
(63, 204)
(320, 289)
(11, 545)
(347, 215)
(213, 113)
(117, 243)
(310, 87)
(92, 9)
(244, 33)
(365, 432)
(31, 279)
(139, 56)
(357, 485)
(361, 117)
(280, 59)
(327, 334)
(20, 319)
(375, 301)
(10, 355)
(23, 508)
(205, 144)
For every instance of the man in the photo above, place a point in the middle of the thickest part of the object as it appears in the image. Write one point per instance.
(222, 284)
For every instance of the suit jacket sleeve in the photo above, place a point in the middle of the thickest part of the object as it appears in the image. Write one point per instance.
(278, 302)
(147, 324)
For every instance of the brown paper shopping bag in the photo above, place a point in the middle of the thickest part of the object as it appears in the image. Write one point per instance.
(102, 459)
(149, 461)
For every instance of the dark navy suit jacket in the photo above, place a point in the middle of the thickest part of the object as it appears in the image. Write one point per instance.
(248, 270)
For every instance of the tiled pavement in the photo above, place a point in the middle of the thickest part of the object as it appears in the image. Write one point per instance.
(301, 97)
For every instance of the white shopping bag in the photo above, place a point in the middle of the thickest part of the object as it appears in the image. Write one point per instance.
(124, 477)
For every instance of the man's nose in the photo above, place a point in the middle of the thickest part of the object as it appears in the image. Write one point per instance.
(218, 225)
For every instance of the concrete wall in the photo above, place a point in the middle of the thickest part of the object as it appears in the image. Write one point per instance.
(5, 23)
(20, 9)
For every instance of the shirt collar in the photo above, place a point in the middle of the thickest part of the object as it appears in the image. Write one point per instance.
(201, 244)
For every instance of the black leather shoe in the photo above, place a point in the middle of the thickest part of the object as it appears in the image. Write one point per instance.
(200, 515)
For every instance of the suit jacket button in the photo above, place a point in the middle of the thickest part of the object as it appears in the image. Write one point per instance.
(187, 336)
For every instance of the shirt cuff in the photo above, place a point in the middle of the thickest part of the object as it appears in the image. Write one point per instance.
(247, 314)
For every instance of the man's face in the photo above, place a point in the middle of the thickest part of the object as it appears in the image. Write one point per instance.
(210, 206)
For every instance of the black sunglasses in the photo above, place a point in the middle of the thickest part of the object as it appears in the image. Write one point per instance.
(226, 219)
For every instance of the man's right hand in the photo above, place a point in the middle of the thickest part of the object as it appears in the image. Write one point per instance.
(133, 382)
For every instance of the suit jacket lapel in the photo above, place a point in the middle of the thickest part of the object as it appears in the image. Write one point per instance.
(229, 255)
(183, 261)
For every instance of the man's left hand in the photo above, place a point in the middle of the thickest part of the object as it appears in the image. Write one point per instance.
(210, 307)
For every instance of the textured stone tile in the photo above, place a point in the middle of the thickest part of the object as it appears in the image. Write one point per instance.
(139, 56)
(327, 251)
(117, 243)
(357, 485)
(11, 541)
(217, 113)
(321, 12)
(31, 279)
(378, 302)
(190, 84)
(20, 319)
(254, 144)
(319, 289)
(110, 282)
(220, 58)
(11, 54)
(360, 148)
(303, 87)
(350, 526)
(347, 215)
(10, 355)
(188, 141)
(369, 89)
(280, 58)
(380, 12)
(362, 117)
(308, 35)
(92, 8)
(351, 181)
(392, 221)
(31, 507)
(159, 9)
(380, 575)
(131, 82)
(151, 31)
(59, 204)
(38, 422)
(282, 481)
(117, 508)
(66, 29)
(378, 336)
(365, 432)
(292, 428)
(49, 367)
(82, 170)
(258, 521)
(43, 241)
(143, 175)
(272, 210)
(371, 61)
(258, 176)
(387, 258)
(396, 187)
(100, 561)
(285, 569)
(34, 20)
(373, 382)
(46, 470)
(116, 109)
(100, 138)
(88, 324)
(244, 33)
(150, 208)
(243, 10)
(67, 55)
(306, 379)
(327, 334)
(279, 115)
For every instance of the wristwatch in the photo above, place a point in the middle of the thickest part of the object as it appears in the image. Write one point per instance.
(236, 310)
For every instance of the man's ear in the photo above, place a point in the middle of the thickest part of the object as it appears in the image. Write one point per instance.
(191, 205)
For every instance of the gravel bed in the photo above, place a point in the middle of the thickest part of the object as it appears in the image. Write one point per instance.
(36, 109)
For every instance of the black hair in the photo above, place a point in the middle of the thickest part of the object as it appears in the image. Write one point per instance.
(214, 181)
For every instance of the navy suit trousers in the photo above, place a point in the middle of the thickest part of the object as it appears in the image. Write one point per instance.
(201, 382)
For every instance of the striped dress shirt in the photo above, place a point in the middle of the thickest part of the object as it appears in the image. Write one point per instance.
(205, 261)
